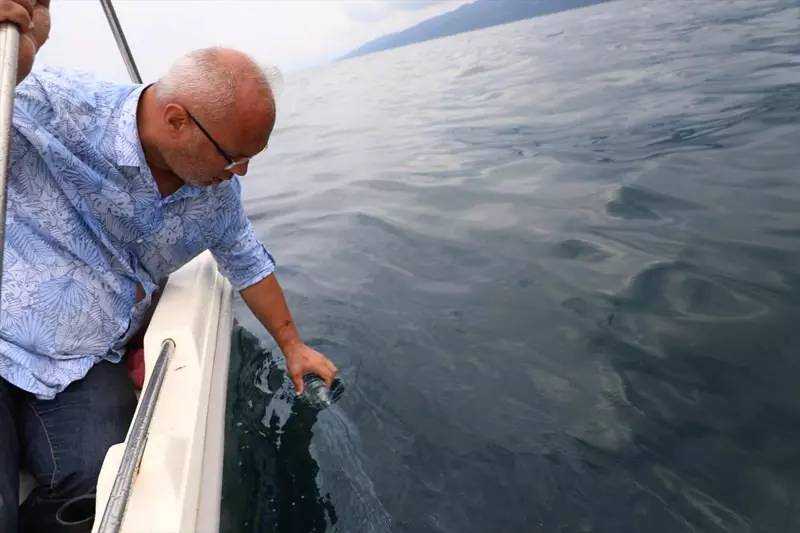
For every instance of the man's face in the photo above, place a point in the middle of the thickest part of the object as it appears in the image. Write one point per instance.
(193, 165)
(210, 153)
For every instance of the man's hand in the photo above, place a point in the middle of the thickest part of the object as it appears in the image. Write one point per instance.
(266, 300)
(302, 359)
(33, 20)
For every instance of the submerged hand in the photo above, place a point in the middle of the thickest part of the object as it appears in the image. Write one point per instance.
(302, 359)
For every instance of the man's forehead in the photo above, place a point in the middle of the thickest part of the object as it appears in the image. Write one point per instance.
(256, 104)
(250, 131)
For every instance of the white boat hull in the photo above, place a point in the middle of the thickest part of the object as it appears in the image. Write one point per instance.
(178, 484)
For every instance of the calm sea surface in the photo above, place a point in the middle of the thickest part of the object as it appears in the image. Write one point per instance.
(558, 265)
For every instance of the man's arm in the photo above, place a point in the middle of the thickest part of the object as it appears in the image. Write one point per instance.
(33, 20)
(265, 299)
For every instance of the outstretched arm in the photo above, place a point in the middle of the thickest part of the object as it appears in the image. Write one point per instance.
(265, 299)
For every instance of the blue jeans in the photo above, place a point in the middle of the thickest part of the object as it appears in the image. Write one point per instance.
(62, 442)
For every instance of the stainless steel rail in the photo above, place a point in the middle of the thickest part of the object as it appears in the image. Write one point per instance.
(114, 512)
(137, 438)
(9, 51)
(122, 43)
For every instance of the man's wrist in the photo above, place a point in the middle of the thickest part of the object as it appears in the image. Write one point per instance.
(288, 339)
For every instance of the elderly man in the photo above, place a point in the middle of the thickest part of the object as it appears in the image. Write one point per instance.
(112, 188)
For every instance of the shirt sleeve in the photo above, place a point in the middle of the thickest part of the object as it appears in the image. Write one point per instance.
(240, 255)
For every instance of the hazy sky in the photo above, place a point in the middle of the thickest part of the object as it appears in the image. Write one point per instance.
(290, 34)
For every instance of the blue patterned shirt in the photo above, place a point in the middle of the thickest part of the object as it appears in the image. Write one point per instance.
(86, 226)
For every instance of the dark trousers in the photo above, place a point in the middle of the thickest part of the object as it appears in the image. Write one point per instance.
(62, 442)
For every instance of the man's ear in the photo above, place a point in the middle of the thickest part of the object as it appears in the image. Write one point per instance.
(175, 119)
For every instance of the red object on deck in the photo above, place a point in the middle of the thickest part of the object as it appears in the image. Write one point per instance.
(135, 363)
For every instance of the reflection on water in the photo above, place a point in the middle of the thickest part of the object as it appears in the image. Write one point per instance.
(271, 478)
(269, 432)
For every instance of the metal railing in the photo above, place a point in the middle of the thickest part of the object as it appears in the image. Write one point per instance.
(122, 43)
(114, 513)
(9, 50)
(137, 438)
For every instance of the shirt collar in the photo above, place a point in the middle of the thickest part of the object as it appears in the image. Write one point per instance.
(126, 147)
(185, 191)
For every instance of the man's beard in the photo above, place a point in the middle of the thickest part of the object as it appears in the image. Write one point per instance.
(182, 164)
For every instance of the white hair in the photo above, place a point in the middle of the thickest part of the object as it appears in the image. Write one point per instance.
(205, 79)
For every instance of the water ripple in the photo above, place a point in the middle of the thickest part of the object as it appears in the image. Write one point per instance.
(558, 261)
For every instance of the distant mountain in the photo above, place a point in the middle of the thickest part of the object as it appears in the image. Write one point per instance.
(479, 14)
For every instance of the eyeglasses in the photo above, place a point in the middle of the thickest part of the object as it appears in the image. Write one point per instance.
(232, 163)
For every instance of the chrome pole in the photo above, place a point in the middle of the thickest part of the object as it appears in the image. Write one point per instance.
(134, 449)
(122, 43)
(9, 52)
(114, 512)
